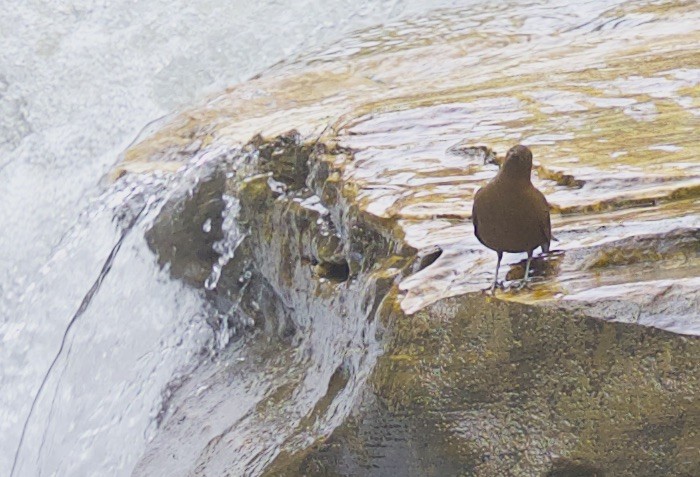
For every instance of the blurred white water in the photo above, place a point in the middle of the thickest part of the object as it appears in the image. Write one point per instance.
(78, 81)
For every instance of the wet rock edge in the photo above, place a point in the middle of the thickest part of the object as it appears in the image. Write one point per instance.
(569, 394)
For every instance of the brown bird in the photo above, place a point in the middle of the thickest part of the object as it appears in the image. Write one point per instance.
(510, 214)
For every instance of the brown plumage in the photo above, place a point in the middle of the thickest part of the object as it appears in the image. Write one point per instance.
(510, 214)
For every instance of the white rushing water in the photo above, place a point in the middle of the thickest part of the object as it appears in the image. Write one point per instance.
(78, 81)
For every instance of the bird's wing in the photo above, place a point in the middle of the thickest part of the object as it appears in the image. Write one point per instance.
(474, 221)
(546, 231)
(546, 225)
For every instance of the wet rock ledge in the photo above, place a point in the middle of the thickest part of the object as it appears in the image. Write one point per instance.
(467, 385)
(354, 239)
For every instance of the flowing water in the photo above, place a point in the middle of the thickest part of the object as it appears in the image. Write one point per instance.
(78, 82)
(108, 365)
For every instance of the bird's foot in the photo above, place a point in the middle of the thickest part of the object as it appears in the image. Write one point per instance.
(488, 291)
(492, 289)
(524, 283)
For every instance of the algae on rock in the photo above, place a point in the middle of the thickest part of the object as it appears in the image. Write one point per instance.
(477, 387)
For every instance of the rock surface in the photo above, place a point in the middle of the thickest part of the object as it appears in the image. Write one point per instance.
(614, 138)
(472, 386)
(357, 187)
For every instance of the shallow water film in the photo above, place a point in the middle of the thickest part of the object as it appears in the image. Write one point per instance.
(282, 278)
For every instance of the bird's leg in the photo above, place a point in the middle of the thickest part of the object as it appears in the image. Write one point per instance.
(495, 279)
(527, 271)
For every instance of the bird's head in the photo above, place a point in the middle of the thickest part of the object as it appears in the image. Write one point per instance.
(518, 163)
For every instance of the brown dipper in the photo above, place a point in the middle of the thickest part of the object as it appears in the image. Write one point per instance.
(510, 214)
